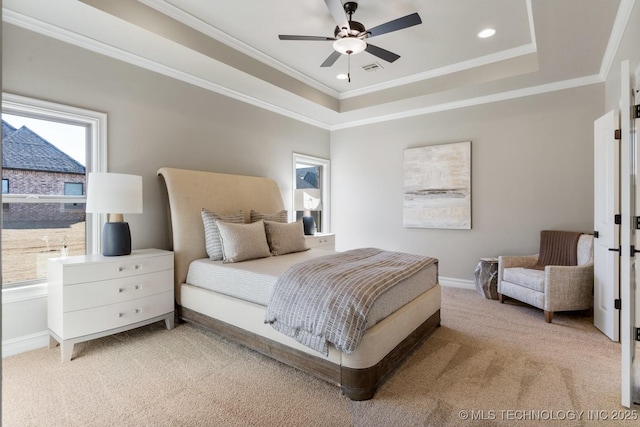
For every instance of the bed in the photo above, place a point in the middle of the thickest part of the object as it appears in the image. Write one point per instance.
(239, 318)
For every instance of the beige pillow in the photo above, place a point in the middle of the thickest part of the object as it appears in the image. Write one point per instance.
(241, 242)
(278, 216)
(285, 238)
(211, 233)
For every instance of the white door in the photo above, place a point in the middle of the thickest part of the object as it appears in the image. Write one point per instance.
(634, 295)
(606, 269)
(630, 203)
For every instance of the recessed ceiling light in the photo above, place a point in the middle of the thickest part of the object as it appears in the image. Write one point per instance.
(486, 33)
(341, 77)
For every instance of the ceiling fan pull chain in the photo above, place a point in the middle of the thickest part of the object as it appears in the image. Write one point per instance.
(349, 66)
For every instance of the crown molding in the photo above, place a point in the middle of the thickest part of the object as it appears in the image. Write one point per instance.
(199, 25)
(470, 102)
(449, 69)
(75, 39)
(619, 25)
(70, 37)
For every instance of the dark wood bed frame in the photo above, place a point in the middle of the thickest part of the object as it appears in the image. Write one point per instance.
(356, 384)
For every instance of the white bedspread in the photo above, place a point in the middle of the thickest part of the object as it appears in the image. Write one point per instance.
(254, 280)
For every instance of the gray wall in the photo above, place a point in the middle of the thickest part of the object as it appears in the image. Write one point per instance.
(532, 169)
(153, 121)
(156, 121)
(531, 158)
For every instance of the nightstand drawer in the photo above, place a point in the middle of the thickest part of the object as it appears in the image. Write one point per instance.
(94, 294)
(121, 267)
(87, 322)
(321, 241)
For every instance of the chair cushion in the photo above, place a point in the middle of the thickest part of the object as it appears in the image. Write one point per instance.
(527, 277)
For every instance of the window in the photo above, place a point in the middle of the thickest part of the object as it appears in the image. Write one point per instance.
(311, 190)
(44, 210)
(73, 188)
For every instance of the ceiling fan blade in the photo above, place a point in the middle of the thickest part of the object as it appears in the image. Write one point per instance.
(331, 59)
(381, 53)
(313, 38)
(337, 11)
(395, 25)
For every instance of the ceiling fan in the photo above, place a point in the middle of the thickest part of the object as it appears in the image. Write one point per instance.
(349, 36)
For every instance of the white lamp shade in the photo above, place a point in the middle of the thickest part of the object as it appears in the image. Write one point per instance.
(308, 199)
(114, 193)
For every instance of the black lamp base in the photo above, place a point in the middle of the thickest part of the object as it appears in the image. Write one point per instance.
(309, 225)
(116, 239)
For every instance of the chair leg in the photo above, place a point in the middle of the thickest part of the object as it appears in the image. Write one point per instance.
(501, 298)
(548, 316)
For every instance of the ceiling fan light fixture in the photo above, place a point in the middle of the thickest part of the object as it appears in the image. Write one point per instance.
(349, 45)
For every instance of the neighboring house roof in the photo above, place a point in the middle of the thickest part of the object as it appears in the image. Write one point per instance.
(307, 177)
(24, 149)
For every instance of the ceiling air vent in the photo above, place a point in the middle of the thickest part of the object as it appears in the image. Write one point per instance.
(374, 66)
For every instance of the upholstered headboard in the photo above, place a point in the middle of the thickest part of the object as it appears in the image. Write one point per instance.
(189, 191)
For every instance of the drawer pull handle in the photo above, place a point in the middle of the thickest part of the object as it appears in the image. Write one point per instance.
(136, 287)
(120, 268)
(138, 267)
(137, 310)
(120, 290)
(120, 314)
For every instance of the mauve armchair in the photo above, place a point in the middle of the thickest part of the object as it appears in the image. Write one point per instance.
(556, 288)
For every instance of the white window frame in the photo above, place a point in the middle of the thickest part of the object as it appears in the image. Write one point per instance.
(96, 125)
(326, 187)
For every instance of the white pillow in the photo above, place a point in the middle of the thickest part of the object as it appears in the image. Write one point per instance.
(211, 233)
(285, 238)
(241, 242)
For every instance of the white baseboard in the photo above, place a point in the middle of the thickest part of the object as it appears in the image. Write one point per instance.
(26, 343)
(457, 283)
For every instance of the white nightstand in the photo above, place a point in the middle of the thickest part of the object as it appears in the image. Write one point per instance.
(325, 241)
(91, 296)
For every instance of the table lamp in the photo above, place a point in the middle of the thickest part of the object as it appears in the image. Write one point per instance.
(114, 194)
(307, 200)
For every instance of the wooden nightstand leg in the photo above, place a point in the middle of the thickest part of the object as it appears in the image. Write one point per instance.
(66, 351)
(169, 321)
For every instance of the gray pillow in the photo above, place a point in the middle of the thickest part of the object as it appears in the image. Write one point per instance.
(211, 233)
(278, 216)
(241, 242)
(285, 238)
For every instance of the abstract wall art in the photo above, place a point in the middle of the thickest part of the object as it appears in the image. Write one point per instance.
(437, 186)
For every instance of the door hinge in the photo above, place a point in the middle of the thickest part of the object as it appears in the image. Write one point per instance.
(617, 219)
(636, 111)
(617, 134)
(637, 221)
(596, 235)
(637, 334)
(617, 304)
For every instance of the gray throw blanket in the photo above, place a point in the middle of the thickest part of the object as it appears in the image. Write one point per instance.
(327, 299)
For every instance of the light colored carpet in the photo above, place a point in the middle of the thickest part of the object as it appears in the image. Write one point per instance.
(497, 362)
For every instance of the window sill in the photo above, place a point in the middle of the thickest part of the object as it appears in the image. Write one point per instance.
(24, 293)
